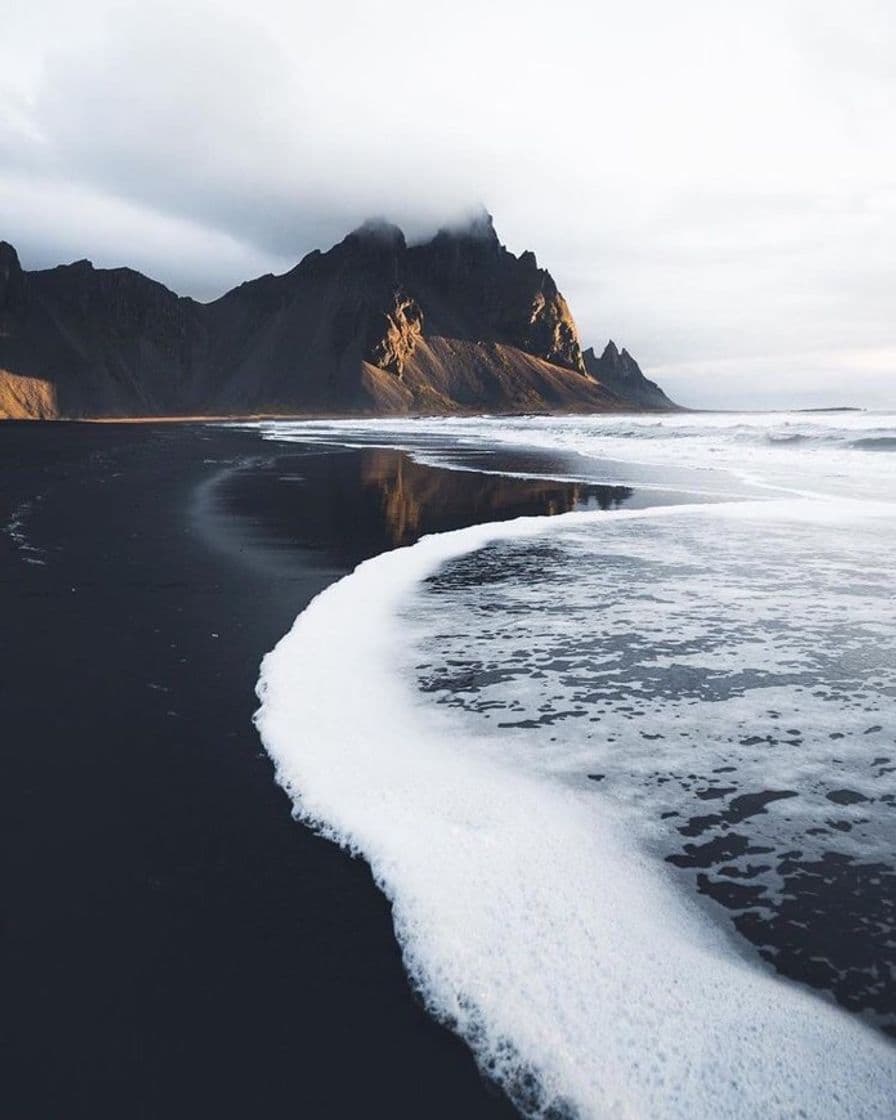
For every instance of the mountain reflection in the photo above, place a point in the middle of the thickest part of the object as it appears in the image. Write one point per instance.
(416, 500)
(347, 505)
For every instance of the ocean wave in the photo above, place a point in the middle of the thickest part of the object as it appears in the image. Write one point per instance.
(778, 438)
(529, 920)
(875, 443)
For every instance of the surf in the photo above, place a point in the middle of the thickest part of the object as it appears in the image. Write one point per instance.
(529, 920)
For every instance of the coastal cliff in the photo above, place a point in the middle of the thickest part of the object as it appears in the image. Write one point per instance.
(373, 326)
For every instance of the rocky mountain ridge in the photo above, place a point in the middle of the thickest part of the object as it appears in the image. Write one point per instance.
(372, 326)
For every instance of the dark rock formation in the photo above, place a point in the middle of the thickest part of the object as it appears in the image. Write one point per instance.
(394, 334)
(622, 375)
(371, 326)
(11, 278)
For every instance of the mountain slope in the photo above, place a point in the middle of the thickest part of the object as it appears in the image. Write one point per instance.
(371, 326)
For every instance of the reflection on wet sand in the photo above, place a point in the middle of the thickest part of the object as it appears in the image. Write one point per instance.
(416, 499)
(348, 505)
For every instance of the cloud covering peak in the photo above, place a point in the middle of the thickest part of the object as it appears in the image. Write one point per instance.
(713, 185)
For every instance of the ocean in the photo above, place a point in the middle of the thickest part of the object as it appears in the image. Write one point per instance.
(626, 773)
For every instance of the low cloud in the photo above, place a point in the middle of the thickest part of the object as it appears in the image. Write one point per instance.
(713, 187)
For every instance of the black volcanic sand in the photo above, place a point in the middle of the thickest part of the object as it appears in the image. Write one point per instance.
(176, 945)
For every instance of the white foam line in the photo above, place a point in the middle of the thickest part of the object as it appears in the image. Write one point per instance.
(527, 919)
(428, 459)
(441, 459)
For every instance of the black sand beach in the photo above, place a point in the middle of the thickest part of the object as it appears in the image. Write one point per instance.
(176, 944)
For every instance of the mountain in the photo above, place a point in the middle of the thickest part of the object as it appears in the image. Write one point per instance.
(621, 374)
(374, 325)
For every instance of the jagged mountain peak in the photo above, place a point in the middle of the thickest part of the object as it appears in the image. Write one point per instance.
(455, 323)
(11, 275)
(9, 258)
(377, 232)
(621, 374)
(476, 226)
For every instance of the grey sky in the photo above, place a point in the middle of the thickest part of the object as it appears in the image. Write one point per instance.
(711, 183)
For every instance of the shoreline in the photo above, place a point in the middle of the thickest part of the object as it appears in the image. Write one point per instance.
(179, 945)
(254, 417)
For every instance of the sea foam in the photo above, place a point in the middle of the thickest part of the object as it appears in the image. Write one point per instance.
(529, 920)
(802, 453)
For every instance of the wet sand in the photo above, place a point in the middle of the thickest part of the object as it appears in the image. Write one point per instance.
(176, 944)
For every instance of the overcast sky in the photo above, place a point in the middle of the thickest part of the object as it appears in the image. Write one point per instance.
(713, 184)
